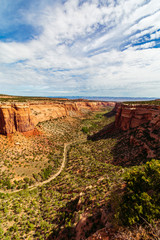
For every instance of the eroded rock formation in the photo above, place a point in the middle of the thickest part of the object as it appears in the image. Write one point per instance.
(48, 110)
(142, 123)
(23, 117)
(132, 116)
(15, 117)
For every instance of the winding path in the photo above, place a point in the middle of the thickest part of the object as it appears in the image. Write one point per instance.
(39, 184)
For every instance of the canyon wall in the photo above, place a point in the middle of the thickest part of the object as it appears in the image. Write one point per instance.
(48, 110)
(23, 117)
(15, 117)
(142, 123)
(132, 116)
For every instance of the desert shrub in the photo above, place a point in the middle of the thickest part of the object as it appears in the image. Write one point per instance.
(1, 232)
(26, 179)
(140, 202)
(46, 173)
(7, 183)
(98, 115)
(85, 129)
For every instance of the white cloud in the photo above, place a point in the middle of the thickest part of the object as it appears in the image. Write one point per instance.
(79, 49)
(155, 35)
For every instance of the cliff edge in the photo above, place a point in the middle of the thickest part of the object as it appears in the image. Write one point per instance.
(132, 116)
(23, 117)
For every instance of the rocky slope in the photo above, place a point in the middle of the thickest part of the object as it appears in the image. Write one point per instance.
(142, 123)
(23, 117)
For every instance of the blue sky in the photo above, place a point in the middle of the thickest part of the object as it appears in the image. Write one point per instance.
(80, 47)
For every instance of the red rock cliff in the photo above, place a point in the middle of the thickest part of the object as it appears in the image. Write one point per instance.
(49, 110)
(15, 117)
(24, 117)
(143, 125)
(131, 116)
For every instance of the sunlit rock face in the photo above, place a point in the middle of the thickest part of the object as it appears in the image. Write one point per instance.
(48, 110)
(23, 117)
(132, 116)
(15, 117)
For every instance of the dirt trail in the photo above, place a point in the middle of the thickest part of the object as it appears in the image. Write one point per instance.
(39, 184)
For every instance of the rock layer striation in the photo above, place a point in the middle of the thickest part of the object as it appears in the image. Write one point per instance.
(132, 116)
(23, 117)
(142, 123)
(15, 117)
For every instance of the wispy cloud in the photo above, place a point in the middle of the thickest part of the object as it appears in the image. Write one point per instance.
(77, 47)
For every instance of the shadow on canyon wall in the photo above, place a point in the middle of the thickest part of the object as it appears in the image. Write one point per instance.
(83, 229)
(129, 150)
(63, 217)
(2, 123)
(133, 147)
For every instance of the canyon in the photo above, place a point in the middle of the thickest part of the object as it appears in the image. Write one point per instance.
(78, 202)
(142, 121)
(23, 117)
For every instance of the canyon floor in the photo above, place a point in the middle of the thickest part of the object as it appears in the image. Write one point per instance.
(80, 202)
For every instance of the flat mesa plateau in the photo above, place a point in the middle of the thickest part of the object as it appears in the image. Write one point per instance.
(79, 169)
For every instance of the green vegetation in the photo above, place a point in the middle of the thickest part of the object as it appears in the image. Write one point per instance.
(140, 202)
(86, 186)
(38, 209)
(85, 129)
(35, 158)
(46, 173)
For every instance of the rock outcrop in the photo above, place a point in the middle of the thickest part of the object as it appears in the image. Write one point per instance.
(132, 116)
(49, 110)
(142, 126)
(23, 117)
(15, 117)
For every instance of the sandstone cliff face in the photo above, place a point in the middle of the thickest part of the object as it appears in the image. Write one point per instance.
(48, 110)
(24, 117)
(132, 116)
(15, 117)
(142, 123)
